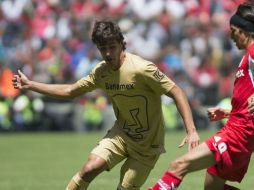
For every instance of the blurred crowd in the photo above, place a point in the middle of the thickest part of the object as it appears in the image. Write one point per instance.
(49, 40)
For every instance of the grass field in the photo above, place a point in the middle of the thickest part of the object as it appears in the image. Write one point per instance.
(46, 161)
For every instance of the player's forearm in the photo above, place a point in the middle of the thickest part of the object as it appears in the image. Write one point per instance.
(60, 91)
(185, 112)
(183, 108)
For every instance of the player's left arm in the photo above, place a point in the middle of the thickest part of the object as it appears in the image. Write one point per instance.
(251, 104)
(182, 104)
(251, 68)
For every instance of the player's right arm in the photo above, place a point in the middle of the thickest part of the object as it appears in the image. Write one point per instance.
(61, 91)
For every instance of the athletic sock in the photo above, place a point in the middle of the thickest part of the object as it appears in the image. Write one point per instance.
(77, 183)
(167, 182)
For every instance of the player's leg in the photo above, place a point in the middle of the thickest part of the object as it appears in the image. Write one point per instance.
(214, 182)
(134, 174)
(199, 158)
(104, 156)
(77, 183)
(93, 167)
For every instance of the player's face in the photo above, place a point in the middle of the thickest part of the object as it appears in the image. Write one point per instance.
(238, 36)
(111, 52)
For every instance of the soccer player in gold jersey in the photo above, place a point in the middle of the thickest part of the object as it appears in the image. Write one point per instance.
(134, 86)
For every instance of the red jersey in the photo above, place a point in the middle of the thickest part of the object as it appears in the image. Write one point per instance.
(234, 143)
(243, 89)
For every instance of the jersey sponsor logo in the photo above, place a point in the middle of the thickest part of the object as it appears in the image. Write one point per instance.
(239, 73)
(109, 86)
(158, 75)
(221, 146)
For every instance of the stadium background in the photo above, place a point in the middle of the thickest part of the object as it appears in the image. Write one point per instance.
(49, 40)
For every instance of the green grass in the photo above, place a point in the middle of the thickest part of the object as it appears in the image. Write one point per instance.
(47, 161)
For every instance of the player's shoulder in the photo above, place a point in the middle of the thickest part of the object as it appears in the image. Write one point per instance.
(100, 67)
(139, 62)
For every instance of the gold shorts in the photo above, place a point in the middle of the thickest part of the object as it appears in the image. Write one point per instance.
(135, 169)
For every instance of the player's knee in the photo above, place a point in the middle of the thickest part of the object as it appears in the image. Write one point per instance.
(89, 168)
(90, 171)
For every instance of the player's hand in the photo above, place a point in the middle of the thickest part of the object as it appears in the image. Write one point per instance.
(192, 139)
(216, 114)
(251, 104)
(20, 81)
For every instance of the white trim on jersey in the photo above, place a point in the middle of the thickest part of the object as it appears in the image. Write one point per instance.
(241, 62)
(251, 69)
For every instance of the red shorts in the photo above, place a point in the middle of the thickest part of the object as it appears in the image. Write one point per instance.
(232, 161)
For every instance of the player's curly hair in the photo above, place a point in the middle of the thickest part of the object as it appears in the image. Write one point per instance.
(107, 30)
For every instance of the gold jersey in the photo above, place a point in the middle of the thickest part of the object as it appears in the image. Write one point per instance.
(135, 90)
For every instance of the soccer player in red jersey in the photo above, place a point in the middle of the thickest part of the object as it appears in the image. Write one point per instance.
(228, 152)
